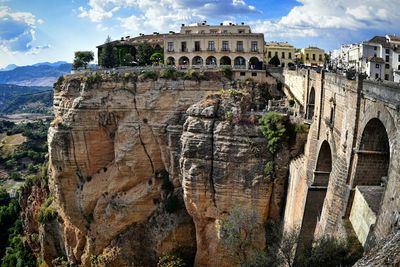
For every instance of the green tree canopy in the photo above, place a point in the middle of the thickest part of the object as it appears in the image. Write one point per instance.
(275, 61)
(157, 58)
(82, 59)
(144, 52)
(127, 60)
(108, 58)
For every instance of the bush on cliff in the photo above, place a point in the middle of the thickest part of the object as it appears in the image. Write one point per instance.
(47, 213)
(147, 74)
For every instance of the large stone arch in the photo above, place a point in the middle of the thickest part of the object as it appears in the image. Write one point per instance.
(211, 61)
(184, 61)
(254, 63)
(239, 62)
(373, 155)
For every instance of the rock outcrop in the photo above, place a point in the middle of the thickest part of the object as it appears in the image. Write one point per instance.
(121, 147)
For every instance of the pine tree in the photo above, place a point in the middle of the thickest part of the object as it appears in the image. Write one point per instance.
(108, 57)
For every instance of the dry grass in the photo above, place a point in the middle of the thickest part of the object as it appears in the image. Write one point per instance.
(9, 143)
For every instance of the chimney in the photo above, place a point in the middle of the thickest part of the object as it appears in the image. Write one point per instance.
(221, 24)
(122, 38)
(183, 25)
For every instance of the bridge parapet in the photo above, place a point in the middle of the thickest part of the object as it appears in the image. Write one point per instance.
(383, 91)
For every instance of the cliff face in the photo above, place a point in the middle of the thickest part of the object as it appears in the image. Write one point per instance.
(116, 146)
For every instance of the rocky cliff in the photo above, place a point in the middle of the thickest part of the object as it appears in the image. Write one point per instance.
(124, 150)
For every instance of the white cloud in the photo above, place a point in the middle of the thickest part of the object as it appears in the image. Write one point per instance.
(163, 15)
(17, 30)
(314, 18)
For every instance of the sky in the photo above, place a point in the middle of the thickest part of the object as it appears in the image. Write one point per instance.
(34, 31)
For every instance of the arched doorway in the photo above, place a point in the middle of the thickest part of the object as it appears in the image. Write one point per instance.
(211, 61)
(170, 61)
(239, 63)
(310, 104)
(324, 165)
(254, 63)
(184, 61)
(197, 61)
(373, 155)
(225, 61)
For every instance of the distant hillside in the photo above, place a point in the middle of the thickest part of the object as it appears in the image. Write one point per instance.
(41, 74)
(25, 99)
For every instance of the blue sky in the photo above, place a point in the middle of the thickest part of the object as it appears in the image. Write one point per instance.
(51, 30)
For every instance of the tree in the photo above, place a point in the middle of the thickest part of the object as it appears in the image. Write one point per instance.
(157, 58)
(82, 59)
(144, 52)
(127, 60)
(239, 232)
(275, 61)
(108, 57)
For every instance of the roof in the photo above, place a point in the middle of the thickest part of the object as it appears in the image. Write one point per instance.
(282, 44)
(376, 59)
(393, 38)
(380, 40)
(149, 38)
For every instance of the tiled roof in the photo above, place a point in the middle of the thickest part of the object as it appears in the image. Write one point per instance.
(380, 40)
(376, 59)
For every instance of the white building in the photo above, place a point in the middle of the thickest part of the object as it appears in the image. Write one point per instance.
(384, 53)
(340, 56)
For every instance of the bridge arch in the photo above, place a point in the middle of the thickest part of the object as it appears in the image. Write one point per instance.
(323, 167)
(310, 104)
(373, 155)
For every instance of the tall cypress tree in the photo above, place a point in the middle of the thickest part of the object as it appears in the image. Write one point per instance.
(108, 56)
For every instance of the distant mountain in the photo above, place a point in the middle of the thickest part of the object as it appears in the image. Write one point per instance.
(9, 67)
(40, 74)
(25, 99)
(54, 64)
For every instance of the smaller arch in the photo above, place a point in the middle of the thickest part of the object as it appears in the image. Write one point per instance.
(310, 105)
(184, 61)
(324, 165)
(197, 61)
(239, 62)
(225, 60)
(170, 61)
(211, 61)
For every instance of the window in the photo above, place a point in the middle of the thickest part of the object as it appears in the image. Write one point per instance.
(197, 46)
(398, 67)
(269, 55)
(283, 65)
(387, 58)
(387, 51)
(313, 56)
(242, 73)
(254, 46)
(183, 47)
(254, 74)
(307, 57)
(375, 48)
(276, 54)
(398, 58)
(283, 54)
(170, 46)
(387, 77)
(225, 46)
(211, 46)
(240, 31)
(320, 58)
(376, 75)
(239, 46)
(290, 55)
(387, 66)
(376, 66)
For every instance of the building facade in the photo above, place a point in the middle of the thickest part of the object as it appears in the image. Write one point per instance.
(203, 45)
(283, 51)
(313, 56)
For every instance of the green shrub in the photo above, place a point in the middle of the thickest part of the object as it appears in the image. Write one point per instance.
(91, 80)
(57, 85)
(273, 127)
(229, 116)
(168, 73)
(47, 213)
(227, 72)
(169, 260)
(269, 171)
(147, 74)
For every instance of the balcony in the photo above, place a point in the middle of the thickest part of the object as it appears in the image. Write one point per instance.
(196, 50)
(239, 49)
(170, 50)
(184, 50)
(254, 50)
(225, 49)
(211, 49)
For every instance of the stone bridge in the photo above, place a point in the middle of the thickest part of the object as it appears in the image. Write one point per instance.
(348, 180)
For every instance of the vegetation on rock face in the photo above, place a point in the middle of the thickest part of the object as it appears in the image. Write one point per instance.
(177, 257)
(227, 72)
(239, 231)
(47, 213)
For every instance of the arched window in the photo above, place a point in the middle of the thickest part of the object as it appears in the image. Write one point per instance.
(225, 61)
